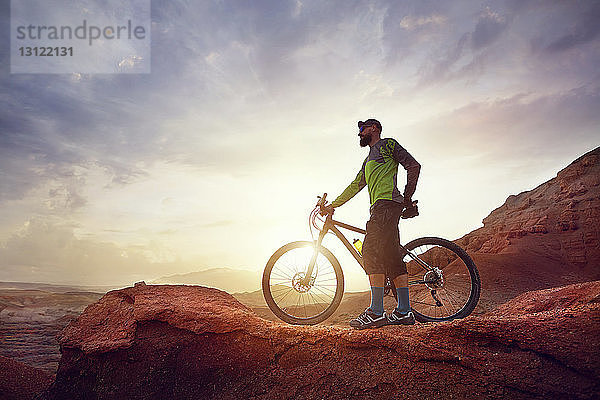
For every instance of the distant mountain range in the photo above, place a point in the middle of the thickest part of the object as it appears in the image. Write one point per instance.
(228, 279)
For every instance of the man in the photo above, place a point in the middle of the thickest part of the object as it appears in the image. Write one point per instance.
(381, 249)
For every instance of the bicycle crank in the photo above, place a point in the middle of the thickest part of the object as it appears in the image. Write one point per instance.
(387, 287)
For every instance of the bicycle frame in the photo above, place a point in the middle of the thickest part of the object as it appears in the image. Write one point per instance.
(331, 224)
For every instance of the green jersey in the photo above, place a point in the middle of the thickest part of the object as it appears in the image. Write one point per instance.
(379, 173)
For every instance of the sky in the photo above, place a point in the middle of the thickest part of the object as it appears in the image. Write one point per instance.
(215, 157)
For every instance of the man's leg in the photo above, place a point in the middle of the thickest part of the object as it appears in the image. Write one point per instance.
(401, 283)
(374, 316)
(377, 282)
(397, 269)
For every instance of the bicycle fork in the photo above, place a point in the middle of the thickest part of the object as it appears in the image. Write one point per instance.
(311, 265)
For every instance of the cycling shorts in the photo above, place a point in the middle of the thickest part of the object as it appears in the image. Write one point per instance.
(381, 249)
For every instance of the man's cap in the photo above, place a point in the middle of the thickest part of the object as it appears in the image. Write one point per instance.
(370, 122)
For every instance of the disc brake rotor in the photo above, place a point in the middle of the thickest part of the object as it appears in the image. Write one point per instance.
(298, 284)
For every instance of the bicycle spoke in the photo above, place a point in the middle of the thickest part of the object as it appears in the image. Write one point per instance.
(420, 302)
(282, 288)
(327, 280)
(326, 288)
(450, 297)
(446, 308)
(288, 268)
(329, 273)
(297, 304)
(323, 293)
(315, 302)
(285, 295)
(321, 300)
(282, 277)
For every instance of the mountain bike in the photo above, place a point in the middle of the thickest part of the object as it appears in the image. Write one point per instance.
(303, 282)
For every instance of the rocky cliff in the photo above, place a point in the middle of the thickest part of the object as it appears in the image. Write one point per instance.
(542, 238)
(565, 211)
(184, 342)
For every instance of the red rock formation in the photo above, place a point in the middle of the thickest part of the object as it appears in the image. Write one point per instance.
(565, 211)
(21, 382)
(186, 342)
(545, 237)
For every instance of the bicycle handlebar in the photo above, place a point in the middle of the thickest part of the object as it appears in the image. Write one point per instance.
(321, 201)
(409, 210)
(321, 204)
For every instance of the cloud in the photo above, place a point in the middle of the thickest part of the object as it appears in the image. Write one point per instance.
(237, 59)
(483, 151)
(409, 26)
(461, 61)
(220, 223)
(438, 69)
(243, 61)
(411, 23)
(585, 29)
(523, 126)
(489, 27)
(243, 94)
(46, 250)
(65, 199)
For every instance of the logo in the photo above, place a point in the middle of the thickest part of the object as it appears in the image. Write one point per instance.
(87, 36)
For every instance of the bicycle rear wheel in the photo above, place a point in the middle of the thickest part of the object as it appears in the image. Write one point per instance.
(443, 280)
(293, 300)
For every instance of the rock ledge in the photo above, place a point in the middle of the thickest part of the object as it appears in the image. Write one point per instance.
(151, 342)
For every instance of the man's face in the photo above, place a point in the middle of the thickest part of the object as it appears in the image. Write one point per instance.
(365, 134)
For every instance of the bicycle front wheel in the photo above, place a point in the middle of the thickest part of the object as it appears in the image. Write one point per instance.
(291, 296)
(443, 280)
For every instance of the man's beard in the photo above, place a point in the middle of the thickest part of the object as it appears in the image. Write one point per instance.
(365, 140)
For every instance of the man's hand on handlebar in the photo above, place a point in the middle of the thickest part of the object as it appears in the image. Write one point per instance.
(326, 209)
(410, 208)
